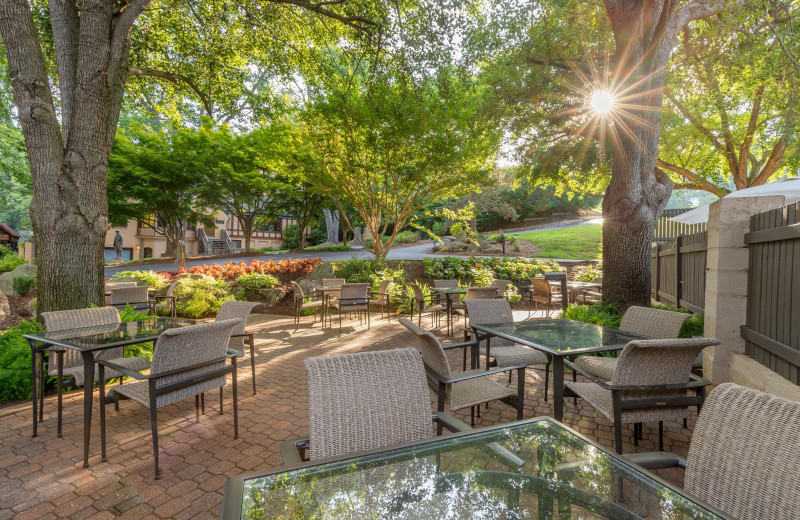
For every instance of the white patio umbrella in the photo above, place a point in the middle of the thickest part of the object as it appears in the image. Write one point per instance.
(789, 188)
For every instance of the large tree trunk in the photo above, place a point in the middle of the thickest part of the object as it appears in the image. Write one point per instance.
(69, 163)
(332, 226)
(638, 191)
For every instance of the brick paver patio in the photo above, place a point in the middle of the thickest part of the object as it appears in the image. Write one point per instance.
(43, 477)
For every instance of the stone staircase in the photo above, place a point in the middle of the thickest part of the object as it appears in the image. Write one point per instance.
(218, 246)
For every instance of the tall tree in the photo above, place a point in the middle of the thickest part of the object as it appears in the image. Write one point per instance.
(390, 142)
(154, 176)
(243, 173)
(68, 147)
(301, 200)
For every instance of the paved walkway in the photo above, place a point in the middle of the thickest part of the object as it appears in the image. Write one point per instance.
(418, 252)
(43, 477)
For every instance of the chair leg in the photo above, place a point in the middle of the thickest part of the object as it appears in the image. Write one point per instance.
(102, 377)
(472, 416)
(641, 433)
(547, 378)
(220, 400)
(235, 402)
(154, 430)
(203, 403)
(685, 424)
(618, 434)
(60, 384)
(660, 435)
(635, 434)
(40, 383)
(252, 341)
(197, 407)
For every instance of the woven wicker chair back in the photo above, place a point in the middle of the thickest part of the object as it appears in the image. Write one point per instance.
(490, 311)
(172, 286)
(432, 351)
(298, 291)
(187, 346)
(541, 287)
(658, 361)
(123, 295)
(333, 282)
(366, 400)
(119, 285)
(655, 323)
(743, 457)
(355, 290)
(55, 321)
(445, 284)
(501, 286)
(381, 297)
(481, 293)
(234, 310)
(416, 293)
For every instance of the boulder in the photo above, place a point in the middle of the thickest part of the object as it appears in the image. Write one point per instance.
(7, 279)
(461, 236)
(324, 270)
(5, 310)
(267, 297)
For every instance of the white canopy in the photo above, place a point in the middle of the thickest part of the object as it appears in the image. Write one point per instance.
(789, 188)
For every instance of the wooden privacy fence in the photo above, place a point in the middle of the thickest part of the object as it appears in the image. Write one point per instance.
(667, 230)
(678, 271)
(772, 332)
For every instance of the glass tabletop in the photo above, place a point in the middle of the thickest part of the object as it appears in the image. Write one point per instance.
(561, 337)
(108, 336)
(450, 290)
(522, 471)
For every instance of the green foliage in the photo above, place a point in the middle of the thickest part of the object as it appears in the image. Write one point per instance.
(358, 270)
(503, 268)
(406, 237)
(589, 273)
(15, 361)
(600, 313)
(579, 242)
(402, 301)
(256, 281)
(24, 284)
(317, 236)
(9, 260)
(15, 177)
(340, 247)
(482, 276)
(140, 349)
(196, 298)
(267, 249)
(148, 278)
(512, 294)
(439, 228)
(291, 237)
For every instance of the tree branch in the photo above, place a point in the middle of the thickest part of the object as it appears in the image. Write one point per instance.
(65, 25)
(693, 178)
(358, 23)
(174, 78)
(744, 150)
(694, 121)
(698, 9)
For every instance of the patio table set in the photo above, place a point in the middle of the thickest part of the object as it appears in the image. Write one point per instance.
(370, 453)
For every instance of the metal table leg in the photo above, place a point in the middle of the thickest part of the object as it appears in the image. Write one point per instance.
(88, 394)
(558, 388)
(34, 383)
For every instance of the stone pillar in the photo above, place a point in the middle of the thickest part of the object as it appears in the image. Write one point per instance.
(726, 279)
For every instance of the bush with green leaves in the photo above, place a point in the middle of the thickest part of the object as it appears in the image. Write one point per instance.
(512, 294)
(256, 281)
(317, 236)
(358, 270)
(482, 276)
(15, 361)
(504, 268)
(148, 278)
(24, 284)
(198, 297)
(589, 273)
(609, 315)
(291, 237)
(439, 228)
(9, 260)
(406, 237)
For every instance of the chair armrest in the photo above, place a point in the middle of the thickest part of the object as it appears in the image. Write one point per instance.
(158, 297)
(290, 450)
(123, 370)
(128, 372)
(694, 382)
(459, 345)
(587, 375)
(451, 423)
(479, 373)
(657, 460)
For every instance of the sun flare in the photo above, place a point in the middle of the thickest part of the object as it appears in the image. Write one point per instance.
(602, 101)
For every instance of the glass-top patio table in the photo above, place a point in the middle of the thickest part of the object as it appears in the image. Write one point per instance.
(531, 469)
(559, 339)
(91, 341)
(449, 293)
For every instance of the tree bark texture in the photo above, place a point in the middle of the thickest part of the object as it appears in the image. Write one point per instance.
(69, 162)
(332, 226)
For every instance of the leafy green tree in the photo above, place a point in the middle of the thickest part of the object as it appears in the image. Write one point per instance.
(390, 141)
(734, 101)
(300, 200)
(15, 180)
(153, 177)
(242, 176)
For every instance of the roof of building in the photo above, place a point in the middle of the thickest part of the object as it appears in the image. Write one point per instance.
(8, 231)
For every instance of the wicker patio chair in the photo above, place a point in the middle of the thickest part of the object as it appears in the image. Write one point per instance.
(501, 286)
(187, 362)
(333, 282)
(365, 401)
(505, 352)
(481, 293)
(354, 297)
(116, 285)
(425, 305)
(650, 383)
(137, 297)
(465, 389)
(381, 298)
(654, 323)
(542, 292)
(301, 301)
(167, 301)
(595, 294)
(743, 456)
(69, 362)
(240, 310)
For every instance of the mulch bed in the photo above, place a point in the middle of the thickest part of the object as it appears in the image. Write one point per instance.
(20, 306)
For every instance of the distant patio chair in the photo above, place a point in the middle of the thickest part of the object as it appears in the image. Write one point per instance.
(365, 401)
(501, 286)
(382, 298)
(743, 456)
(333, 282)
(650, 383)
(69, 362)
(424, 305)
(187, 362)
(137, 297)
(464, 389)
(542, 292)
(301, 301)
(240, 310)
(353, 297)
(167, 300)
(116, 285)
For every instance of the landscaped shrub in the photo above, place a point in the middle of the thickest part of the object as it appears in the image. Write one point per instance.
(482, 276)
(9, 260)
(148, 278)
(512, 294)
(231, 271)
(439, 228)
(15, 361)
(609, 315)
(291, 237)
(589, 273)
(196, 298)
(256, 281)
(317, 237)
(406, 237)
(504, 268)
(24, 284)
(140, 349)
(340, 247)
(357, 270)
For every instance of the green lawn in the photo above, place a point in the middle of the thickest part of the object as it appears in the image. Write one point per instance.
(580, 243)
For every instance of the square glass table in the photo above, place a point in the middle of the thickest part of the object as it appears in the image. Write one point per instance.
(91, 341)
(560, 339)
(534, 469)
(449, 293)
